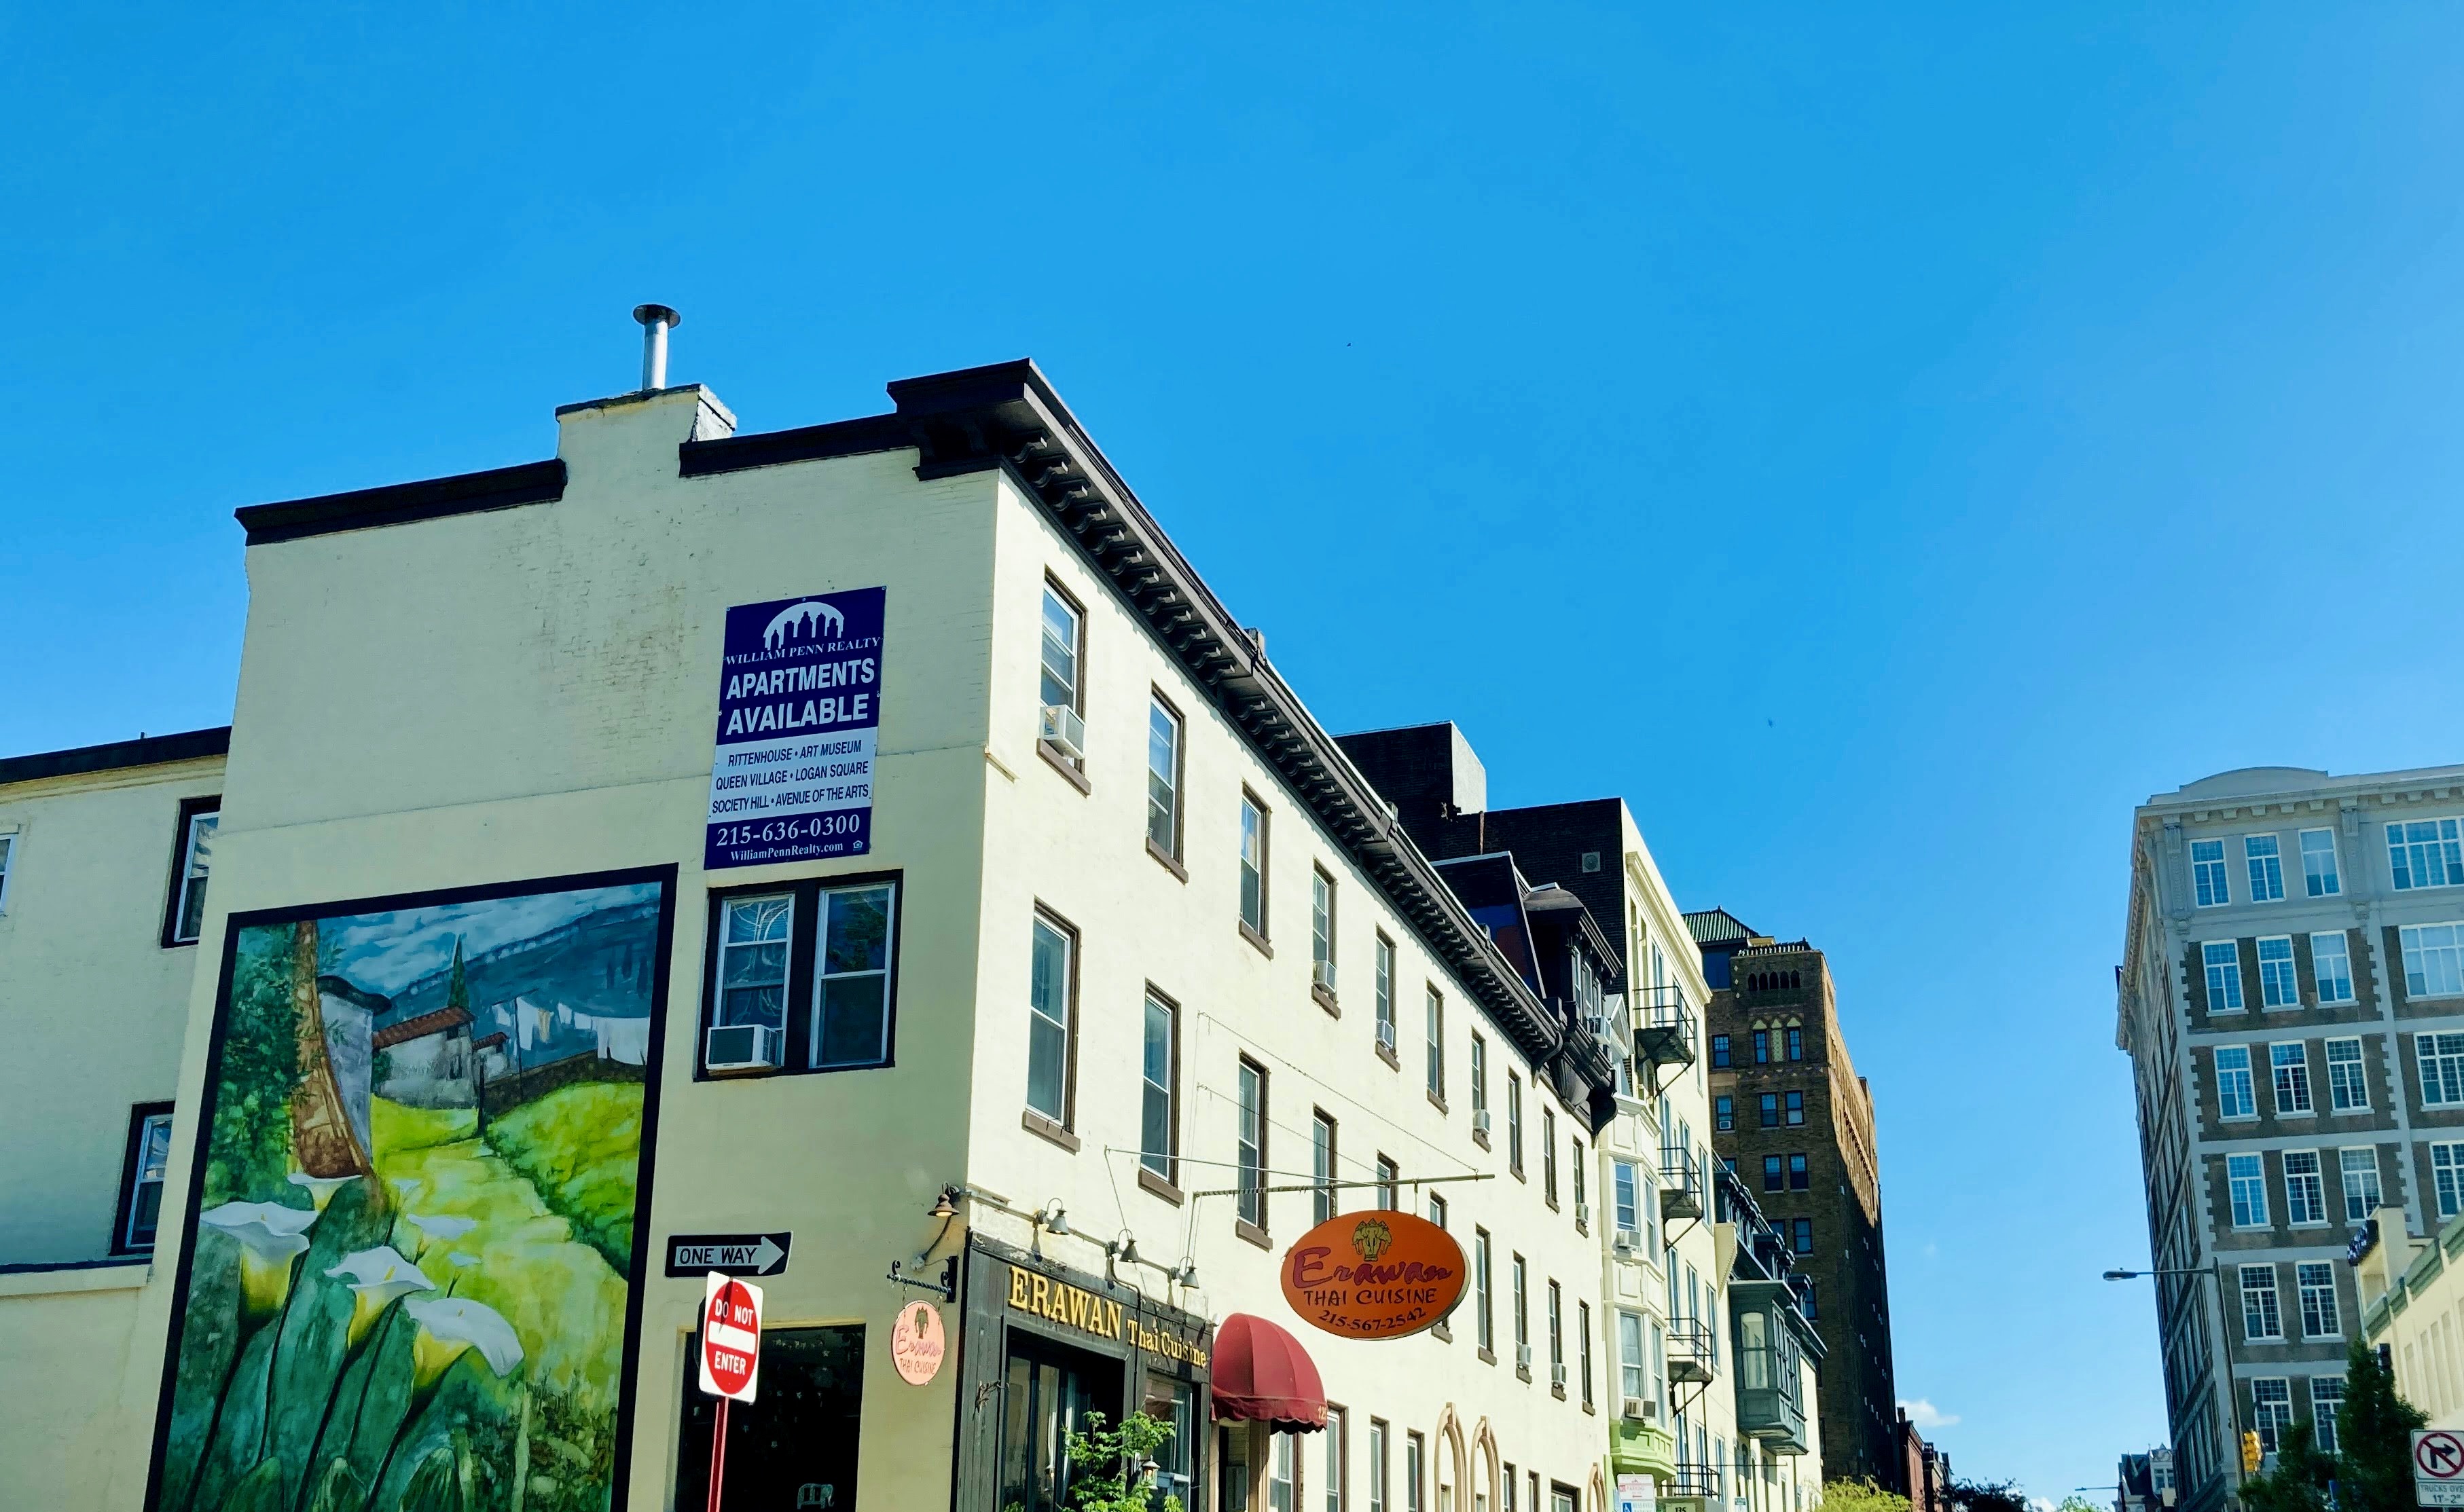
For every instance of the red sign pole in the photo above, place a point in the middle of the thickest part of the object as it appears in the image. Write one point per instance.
(717, 1452)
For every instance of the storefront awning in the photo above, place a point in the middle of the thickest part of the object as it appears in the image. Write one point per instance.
(1263, 1375)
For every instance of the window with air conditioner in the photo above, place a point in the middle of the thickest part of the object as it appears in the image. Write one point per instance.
(1060, 691)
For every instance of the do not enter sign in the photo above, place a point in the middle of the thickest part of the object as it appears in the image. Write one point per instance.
(731, 1337)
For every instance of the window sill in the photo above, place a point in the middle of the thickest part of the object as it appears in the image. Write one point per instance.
(1442, 1334)
(1516, 1172)
(1326, 1000)
(1551, 1200)
(1166, 859)
(178, 945)
(1388, 1056)
(1149, 1182)
(1042, 1128)
(1479, 1139)
(1523, 1373)
(1437, 1101)
(1252, 1232)
(1557, 1391)
(1257, 939)
(1589, 1408)
(1053, 758)
(1583, 1227)
(1487, 1356)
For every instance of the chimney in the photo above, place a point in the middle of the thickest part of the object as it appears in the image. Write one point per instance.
(657, 321)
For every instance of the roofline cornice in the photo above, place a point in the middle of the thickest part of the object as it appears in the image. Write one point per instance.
(192, 745)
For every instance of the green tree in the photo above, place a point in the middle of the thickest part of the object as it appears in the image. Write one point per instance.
(2301, 1479)
(2075, 1502)
(2374, 1437)
(1110, 1464)
(1988, 1496)
(247, 1158)
(1861, 1495)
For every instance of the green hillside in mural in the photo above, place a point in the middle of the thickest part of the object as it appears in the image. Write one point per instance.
(416, 1305)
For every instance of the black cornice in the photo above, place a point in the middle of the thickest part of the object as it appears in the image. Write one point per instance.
(190, 745)
(401, 503)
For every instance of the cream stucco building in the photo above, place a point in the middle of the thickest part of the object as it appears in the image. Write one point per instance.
(1115, 975)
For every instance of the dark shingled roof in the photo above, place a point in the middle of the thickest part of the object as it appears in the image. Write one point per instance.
(1717, 927)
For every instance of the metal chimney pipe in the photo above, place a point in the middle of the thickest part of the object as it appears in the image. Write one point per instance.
(657, 319)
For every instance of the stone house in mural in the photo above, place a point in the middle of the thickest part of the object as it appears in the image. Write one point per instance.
(427, 1059)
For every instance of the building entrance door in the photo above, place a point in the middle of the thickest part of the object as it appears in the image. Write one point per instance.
(793, 1446)
(1047, 1390)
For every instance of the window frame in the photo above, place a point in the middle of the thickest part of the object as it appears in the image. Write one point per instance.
(803, 975)
(2410, 944)
(1338, 1457)
(1483, 1294)
(2263, 869)
(2280, 980)
(1724, 1113)
(2260, 1217)
(1479, 1082)
(11, 839)
(176, 898)
(2343, 952)
(1074, 768)
(2447, 839)
(2315, 884)
(1548, 1155)
(2203, 894)
(2231, 984)
(1390, 1184)
(1382, 1002)
(2339, 1080)
(1170, 1176)
(1514, 1124)
(1792, 1106)
(2268, 1299)
(1434, 1010)
(2346, 1170)
(2305, 1189)
(1036, 1118)
(1322, 930)
(1255, 1231)
(2446, 1177)
(1325, 1155)
(1169, 854)
(141, 1117)
(2324, 1406)
(1251, 804)
(2245, 1087)
(2306, 1289)
(2290, 1074)
(1380, 1486)
(2431, 1047)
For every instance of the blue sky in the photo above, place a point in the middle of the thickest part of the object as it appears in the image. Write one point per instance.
(1884, 446)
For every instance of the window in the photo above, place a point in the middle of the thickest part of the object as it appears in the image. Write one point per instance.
(2247, 1180)
(2277, 987)
(1583, 1347)
(2316, 1282)
(141, 1177)
(193, 857)
(2271, 1406)
(1557, 1335)
(1521, 1316)
(1724, 1113)
(1060, 731)
(2234, 1098)
(2224, 975)
(1548, 1155)
(2305, 1201)
(8, 853)
(1163, 776)
(2447, 1174)
(1338, 1448)
(1633, 1367)
(1479, 1077)
(1795, 1043)
(2442, 1068)
(1438, 1208)
(1770, 1109)
(1773, 1177)
(1437, 1047)
(1582, 1191)
(2433, 959)
(1052, 985)
(1485, 1316)
(1282, 1484)
(1801, 1233)
(2425, 854)
(1321, 929)
(2266, 868)
(1253, 864)
(1390, 1191)
(1378, 1501)
(1386, 995)
(2348, 1090)
(2327, 1399)
(1762, 1046)
(2290, 1065)
(1252, 1143)
(1798, 1179)
(2260, 1318)
(2208, 873)
(1414, 1455)
(2319, 879)
(753, 960)
(1719, 1052)
(1796, 1109)
(1625, 1185)
(2360, 1171)
(1159, 1130)
(814, 963)
(2333, 968)
(1514, 1123)
(1322, 1166)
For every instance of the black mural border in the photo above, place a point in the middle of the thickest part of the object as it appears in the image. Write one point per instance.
(629, 1372)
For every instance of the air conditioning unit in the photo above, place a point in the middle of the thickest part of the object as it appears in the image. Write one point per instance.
(743, 1047)
(1628, 1241)
(1641, 1410)
(1386, 1037)
(1065, 732)
(1480, 1121)
(1523, 1358)
(1583, 1214)
(1322, 974)
(1557, 1377)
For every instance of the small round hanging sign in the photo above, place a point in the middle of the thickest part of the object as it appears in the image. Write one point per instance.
(915, 1343)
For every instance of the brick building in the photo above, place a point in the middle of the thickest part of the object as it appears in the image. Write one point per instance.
(1790, 1113)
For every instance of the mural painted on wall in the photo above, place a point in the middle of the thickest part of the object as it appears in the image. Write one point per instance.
(414, 1258)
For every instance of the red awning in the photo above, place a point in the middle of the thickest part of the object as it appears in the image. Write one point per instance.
(1263, 1375)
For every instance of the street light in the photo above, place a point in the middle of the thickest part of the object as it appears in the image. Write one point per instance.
(2233, 1388)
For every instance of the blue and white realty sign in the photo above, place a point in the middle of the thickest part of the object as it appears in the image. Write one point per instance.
(799, 713)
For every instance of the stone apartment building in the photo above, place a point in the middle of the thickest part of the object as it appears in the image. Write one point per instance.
(1796, 1122)
(2291, 996)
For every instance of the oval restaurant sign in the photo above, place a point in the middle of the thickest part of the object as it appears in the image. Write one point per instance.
(1376, 1275)
(915, 1343)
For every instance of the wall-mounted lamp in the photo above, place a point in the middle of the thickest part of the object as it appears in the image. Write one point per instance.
(1124, 1249)
(1187, 1275)
(945, 1205)
(1053, 1218)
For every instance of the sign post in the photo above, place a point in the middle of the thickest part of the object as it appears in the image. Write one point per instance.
(2437, 1467)
(731, 1359)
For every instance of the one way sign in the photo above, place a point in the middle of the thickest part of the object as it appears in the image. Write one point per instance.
(728, 1254)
